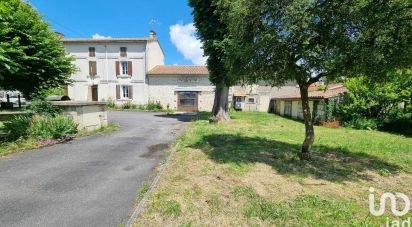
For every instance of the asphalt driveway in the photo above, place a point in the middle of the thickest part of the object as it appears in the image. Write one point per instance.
(92, 181)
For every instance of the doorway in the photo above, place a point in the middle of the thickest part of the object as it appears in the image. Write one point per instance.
(95, 93)
(187, 101)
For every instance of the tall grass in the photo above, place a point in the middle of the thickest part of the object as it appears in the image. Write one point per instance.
(45, 127)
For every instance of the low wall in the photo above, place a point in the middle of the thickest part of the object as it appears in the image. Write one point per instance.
(6, 116)
(88, 115)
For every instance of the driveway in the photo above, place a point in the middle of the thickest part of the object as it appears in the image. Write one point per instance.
(92, 181)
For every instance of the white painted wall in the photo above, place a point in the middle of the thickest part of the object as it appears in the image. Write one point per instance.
(142, 54)
(164, 88)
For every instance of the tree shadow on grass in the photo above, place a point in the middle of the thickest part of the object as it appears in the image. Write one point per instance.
(327, 163)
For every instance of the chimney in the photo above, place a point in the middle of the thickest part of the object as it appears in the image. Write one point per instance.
(153, 34)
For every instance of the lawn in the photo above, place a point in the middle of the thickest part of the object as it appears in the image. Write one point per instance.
(247, 173)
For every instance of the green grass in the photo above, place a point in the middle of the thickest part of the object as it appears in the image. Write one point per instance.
(247, 172)
(23, 144)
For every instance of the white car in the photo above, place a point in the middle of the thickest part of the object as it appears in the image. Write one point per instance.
(14, 98)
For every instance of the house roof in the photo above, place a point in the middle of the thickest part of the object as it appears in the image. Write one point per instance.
(179, 70)
(333, 90)
(110, 40)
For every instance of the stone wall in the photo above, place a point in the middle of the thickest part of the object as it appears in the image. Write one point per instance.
(88, 115)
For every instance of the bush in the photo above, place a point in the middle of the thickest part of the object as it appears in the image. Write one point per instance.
(398, 123)
(128, 106)
(43, 107)
(47, 127)
(362, 123)
(154, 106)
(111, 104)
(17, 127)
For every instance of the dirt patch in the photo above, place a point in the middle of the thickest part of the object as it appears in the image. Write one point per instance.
(154, 150)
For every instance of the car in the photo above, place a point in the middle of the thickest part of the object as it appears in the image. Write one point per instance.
(14, 98)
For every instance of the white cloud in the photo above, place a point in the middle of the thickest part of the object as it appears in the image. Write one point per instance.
(184, 39)
(98, 36)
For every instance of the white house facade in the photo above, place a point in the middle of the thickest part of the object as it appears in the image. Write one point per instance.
(123, 70)
(113, 69)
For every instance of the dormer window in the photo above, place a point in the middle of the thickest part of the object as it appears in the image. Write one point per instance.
(92, 52)
(123, 52)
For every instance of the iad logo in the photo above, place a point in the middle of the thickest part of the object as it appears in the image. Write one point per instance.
(392, 198)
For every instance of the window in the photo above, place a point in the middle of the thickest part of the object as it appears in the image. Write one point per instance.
(251, 100)
(288, 109)
(123, 52)
(124, 68)
(92, 68)
(125, 91)
(92, 52)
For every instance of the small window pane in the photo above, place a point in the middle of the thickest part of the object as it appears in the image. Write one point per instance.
(125, 91)
(188, 95)
(123, 52)
(251, 100)
(187, 102)
(92, 52)
(125, 68)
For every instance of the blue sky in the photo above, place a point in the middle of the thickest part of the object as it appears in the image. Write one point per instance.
(171, 19)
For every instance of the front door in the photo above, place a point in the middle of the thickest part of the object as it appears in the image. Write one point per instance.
(187, 101)
(95, 93)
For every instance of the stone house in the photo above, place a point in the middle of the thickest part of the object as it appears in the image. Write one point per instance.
(123, 70)
(184, 88)
(320, 99)
(113, 69)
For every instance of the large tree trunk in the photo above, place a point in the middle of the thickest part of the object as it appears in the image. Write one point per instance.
(307, 116)
(221, 105)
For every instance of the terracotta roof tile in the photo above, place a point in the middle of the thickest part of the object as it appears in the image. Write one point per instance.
(110, 40)
(178, 70)
(332, 91)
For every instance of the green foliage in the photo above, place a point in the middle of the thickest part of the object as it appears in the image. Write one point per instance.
(171, 208)
(32, 57)
(362, 123)
(128, 106)
(43, 107)
(17, 127)
(154, 106)
(57, 91)
(44, 127)
(111, 104)
(47, 127)
(375, 104)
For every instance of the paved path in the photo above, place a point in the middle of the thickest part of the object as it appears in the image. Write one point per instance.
(92, 181)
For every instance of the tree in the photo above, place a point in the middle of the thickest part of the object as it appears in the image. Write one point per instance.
(32, 57)
(212, 32)
(307, 40)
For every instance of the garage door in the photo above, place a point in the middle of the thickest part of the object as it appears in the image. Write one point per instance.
(187, 101)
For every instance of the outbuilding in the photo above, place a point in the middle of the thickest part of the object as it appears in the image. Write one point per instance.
(183, 88)
(322, 100)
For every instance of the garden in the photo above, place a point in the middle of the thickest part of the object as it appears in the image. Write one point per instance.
(248, 172)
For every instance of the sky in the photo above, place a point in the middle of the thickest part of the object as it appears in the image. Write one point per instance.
(171, 19)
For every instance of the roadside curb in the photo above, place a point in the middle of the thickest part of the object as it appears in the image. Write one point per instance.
(139, 208)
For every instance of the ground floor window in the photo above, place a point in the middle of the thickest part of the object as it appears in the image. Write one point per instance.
(125, 91)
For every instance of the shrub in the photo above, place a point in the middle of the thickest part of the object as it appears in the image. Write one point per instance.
(154, 106)
(111, 104)
(47, 127)
(128, 106)
(399, 123)
(18, 127)
(43, 107)
(362, 123)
